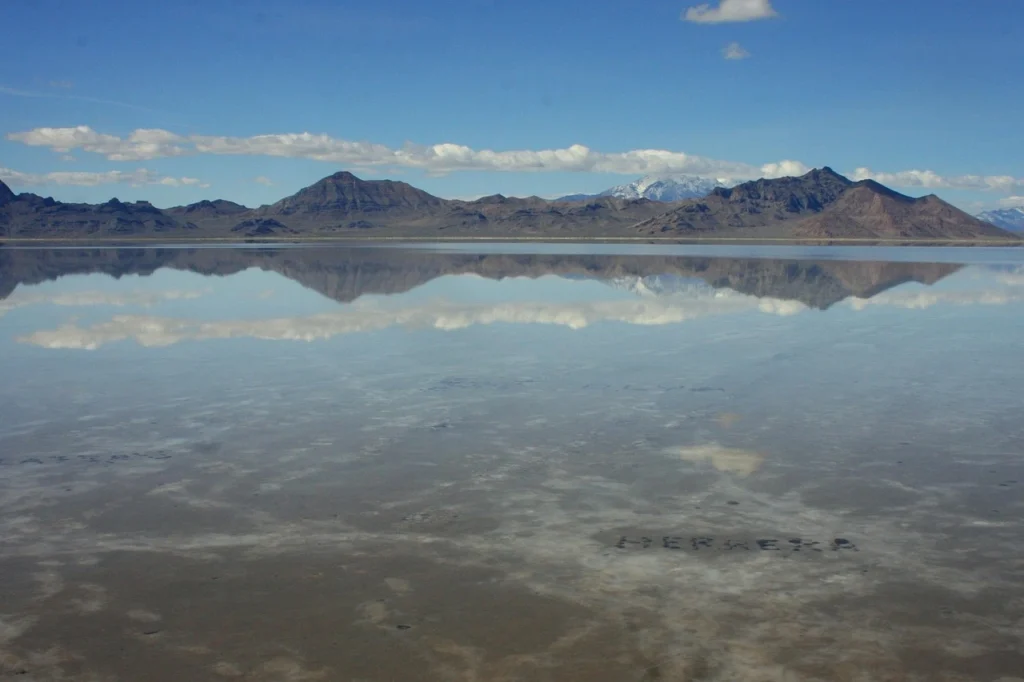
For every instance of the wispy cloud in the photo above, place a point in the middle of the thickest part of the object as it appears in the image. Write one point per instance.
(1012, 202)
(263, 180)
(730, 10)
(16, 92)
(735, 51)
(62, 84)
(140, 176)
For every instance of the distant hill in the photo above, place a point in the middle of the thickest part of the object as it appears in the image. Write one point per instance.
(819, 205)
(31, 215)
(664, 188)
(207, 209)
(1011, 219)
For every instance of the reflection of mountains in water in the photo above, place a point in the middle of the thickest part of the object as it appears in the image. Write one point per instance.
(344, 274)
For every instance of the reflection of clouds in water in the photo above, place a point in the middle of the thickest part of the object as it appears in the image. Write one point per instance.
(143, 299)
(921, 300)
(727, 460)
(1002, 289)
(1014, 279)
(162, 331)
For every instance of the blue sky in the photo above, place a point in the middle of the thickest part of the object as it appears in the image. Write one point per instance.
(174, 102)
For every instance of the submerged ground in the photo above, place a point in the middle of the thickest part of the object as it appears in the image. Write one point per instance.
(751, 466)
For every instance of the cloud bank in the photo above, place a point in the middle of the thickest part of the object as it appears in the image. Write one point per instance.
(730, 11)
(147, 144)
(134, 178)
(438, 159)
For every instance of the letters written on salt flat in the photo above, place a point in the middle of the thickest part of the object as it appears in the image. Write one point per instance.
(710, 544)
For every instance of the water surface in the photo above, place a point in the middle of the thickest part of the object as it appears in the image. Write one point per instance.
(570, 462)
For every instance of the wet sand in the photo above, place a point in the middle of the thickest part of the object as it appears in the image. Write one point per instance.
(413, 550)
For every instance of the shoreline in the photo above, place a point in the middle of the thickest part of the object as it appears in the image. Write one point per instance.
(107, 241)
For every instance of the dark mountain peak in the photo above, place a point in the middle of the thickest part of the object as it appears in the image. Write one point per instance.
(215, 207)
(344, 193)
(818, 174)
(879, 188)
(6, 194)
(343, 176)
(492, 199)
(824, 176)
(142, 207)
(811, 192)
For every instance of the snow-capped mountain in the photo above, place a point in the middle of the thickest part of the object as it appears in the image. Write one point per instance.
(1007, 218)
(657, 188)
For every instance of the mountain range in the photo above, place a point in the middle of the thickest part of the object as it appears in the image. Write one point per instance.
(1011, 219)
(818, 205)
(656, 188)
(345, 274)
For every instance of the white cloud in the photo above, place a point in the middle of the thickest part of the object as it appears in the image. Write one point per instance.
(784, 169)
(1012, 202)
(142, 143)
(438, 159)
(263, 180)
(135, 178)
(931, 180)
(435, 159)
(731, 10)
(735, 51)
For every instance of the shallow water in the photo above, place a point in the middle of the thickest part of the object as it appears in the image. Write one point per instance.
(593, 463)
